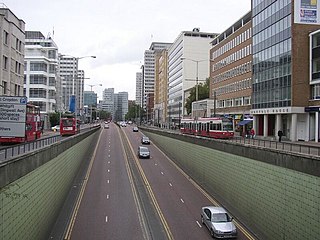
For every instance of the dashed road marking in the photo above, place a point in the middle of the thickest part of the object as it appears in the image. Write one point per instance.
(106, 218)
(108, 181)
(162, 173)
(181, 200)
(170, 184)
(107, 196)
(199, 224)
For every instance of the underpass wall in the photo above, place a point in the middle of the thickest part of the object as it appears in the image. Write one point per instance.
(273, 201)
(30, 204)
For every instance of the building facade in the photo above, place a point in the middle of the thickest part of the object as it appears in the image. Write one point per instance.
(41, 61)
(188, 64)
(161, 88)
(149, 68)
(108, 101)
(139, 88)
(121, 105)
(281, 79)
(12, 45)
(230, 73)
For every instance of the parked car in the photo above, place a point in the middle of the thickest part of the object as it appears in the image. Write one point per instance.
(135, 129)
(219, 222)
(145, 140)
(56, 128)
(143, 152)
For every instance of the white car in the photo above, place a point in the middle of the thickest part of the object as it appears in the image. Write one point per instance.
(56, 128)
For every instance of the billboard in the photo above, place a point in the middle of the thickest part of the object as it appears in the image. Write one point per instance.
(307, 11)
(12, 116)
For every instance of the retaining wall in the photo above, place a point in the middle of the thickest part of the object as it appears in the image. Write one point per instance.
(274, 202)
(35, 186)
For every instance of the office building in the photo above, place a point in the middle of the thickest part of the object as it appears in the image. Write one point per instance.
(188, 64)
(121, 105)
(107, 103)
(230, 75)
(139, 88)
(72, 83)
(161, 88)
(12, 53)
(41, 61)
(149, 68)
(281, 77)
(314, 104)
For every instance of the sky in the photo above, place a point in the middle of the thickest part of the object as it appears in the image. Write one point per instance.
(118, 32)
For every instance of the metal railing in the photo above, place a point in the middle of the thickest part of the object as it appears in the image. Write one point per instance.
(307, 148)
(8, 152)
(297, 147)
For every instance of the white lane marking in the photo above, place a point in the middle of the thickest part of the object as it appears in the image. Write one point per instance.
(199, 224)
(106, 218)
(181, 200)
(108, 170)
(108, 181)
(170, 184)
(109, 145)
(107, 196)
(109, 155)
(156, 164)
(162, 173)
(109, 150)
(108, 162)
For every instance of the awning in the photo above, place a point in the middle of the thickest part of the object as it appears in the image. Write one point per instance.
(244, 122)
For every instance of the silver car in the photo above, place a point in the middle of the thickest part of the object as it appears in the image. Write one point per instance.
(219, 222)
(145, 140)
(143, 152)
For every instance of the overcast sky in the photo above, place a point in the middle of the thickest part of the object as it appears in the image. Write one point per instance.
(119, 31)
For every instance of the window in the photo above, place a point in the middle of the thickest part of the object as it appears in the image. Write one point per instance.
(4, 87)
(5, 37)
(5, 62)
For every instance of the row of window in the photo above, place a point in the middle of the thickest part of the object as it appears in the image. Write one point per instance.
(271, 73)
(18, 42)
(234, 87)
(16, 67)
(276, 52)
(232, 43)
(269, 8)
(242, 53)
(234, 102)
(236, 71)
(272, 30)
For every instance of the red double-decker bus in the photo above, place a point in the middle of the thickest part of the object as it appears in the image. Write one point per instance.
(69, 126)
(32, 127)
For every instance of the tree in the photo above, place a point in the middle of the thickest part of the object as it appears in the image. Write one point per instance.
(134, 112)
(203, 93)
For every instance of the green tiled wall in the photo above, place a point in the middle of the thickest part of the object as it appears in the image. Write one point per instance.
(275, 202)
(29, 206)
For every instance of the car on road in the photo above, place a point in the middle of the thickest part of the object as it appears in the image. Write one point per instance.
(218, 221)
(145, 140)
(56, 128)
(106, 126)
(135, 129)
(143, 152)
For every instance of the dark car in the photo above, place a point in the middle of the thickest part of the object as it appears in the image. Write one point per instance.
(145, 140)
(143, 152)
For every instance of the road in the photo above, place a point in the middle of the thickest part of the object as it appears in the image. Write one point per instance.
(131, 198)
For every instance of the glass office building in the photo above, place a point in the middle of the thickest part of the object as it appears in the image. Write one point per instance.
(280, 82)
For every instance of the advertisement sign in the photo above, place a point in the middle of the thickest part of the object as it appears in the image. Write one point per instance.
(307, 11)
(12, 116)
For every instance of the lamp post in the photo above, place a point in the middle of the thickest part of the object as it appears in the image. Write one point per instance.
(91, 86)
(197, 76)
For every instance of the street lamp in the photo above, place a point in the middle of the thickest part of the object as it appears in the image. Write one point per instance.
(197, 76)
(91, 86)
